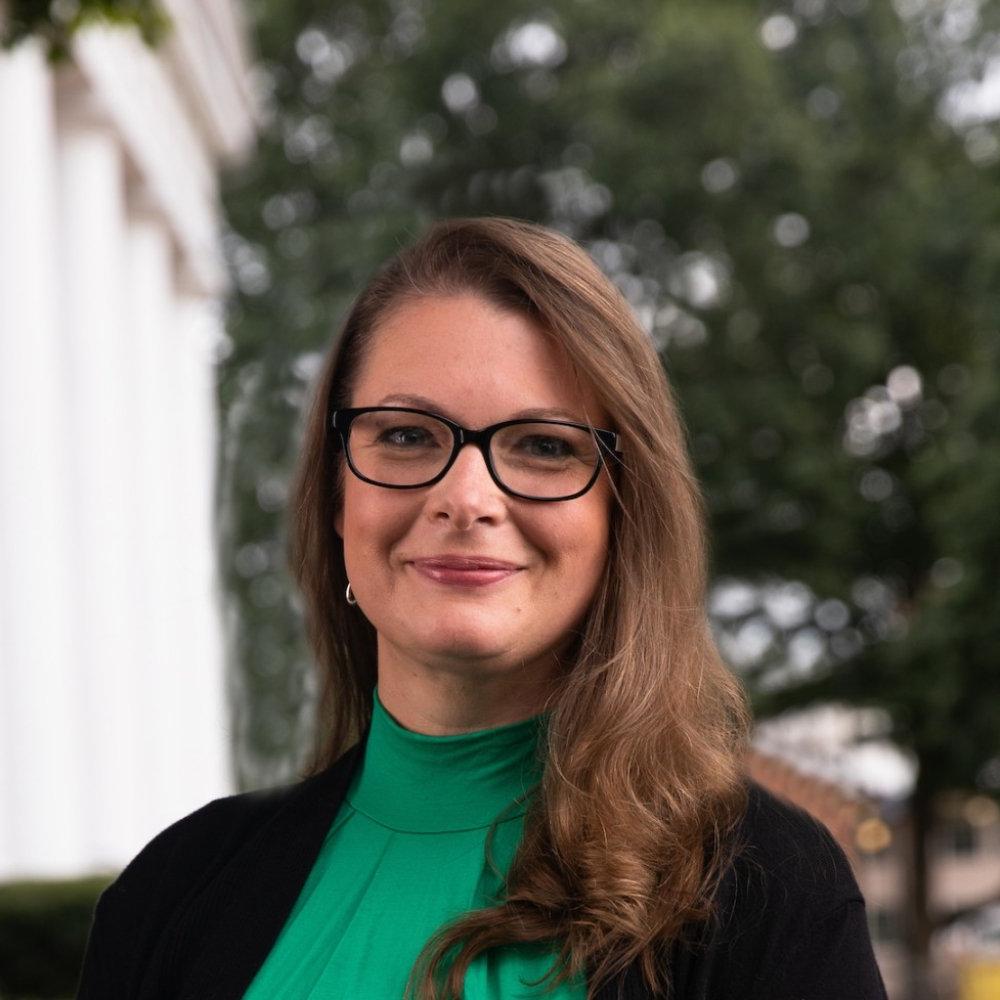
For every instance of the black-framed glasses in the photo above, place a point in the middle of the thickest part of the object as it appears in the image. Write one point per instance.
(404, 449)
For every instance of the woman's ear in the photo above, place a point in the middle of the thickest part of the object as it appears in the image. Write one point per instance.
(338, 522)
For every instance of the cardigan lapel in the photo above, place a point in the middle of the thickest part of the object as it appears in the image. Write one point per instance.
(250, 899)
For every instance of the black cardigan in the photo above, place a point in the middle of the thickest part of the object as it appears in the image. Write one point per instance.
(195, 914)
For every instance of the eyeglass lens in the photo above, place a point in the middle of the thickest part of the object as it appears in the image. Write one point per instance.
(409, 449)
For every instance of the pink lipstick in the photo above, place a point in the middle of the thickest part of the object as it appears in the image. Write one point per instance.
(465, 571)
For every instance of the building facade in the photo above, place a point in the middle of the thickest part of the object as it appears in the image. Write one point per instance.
(113, 717)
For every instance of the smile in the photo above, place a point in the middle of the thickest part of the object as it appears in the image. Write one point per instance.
(464, 571)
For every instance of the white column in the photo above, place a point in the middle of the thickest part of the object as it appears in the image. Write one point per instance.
(149, 309)
(206, 769)
(41, 679)
(92, 243)
(185, 740)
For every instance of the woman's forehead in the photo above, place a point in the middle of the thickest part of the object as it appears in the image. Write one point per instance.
(463, 351)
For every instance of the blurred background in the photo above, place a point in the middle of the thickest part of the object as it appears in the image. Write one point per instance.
(801, 201)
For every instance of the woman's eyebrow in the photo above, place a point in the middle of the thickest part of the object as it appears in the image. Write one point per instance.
(404, 399)
(548, 413)
(531, 413)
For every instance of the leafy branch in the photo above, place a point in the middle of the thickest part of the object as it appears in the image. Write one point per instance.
(57, 21)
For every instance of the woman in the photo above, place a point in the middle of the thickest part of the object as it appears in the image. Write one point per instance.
(529, 774)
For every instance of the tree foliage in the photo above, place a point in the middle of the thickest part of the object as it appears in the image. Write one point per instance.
(795, 200)
(55, 21)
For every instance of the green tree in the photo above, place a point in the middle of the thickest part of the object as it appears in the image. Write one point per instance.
(788, 196)
(55, 21)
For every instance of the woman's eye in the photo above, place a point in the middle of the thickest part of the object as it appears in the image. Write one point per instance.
(406, 437)
(545, 446)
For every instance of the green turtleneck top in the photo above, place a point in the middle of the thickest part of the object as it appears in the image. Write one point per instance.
(405, 855)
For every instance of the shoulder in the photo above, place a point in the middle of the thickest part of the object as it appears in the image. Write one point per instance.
(212, 831)
(789, 920)
(785, 856)
(217, 830)
(194, 864)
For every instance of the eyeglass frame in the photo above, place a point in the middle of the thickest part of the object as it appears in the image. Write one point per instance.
(609, 444)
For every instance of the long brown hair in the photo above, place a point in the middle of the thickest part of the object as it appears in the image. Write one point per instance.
(626, 840)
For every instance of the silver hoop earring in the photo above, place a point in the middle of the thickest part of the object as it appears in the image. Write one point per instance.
(351, 599)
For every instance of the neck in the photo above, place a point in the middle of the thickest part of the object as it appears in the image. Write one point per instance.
(444, 701)
(417, 783)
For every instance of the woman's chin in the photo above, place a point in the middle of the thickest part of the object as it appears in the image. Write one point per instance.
(465, 644)
(464, 648)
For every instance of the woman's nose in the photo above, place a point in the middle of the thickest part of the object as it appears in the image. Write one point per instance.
(467, 494)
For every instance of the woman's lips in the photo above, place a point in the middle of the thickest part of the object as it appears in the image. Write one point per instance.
(465, 571)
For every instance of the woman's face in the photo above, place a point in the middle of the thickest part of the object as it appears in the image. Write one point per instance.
(463, 358)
